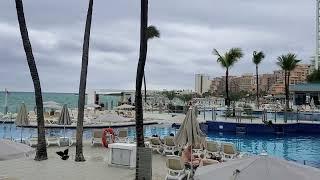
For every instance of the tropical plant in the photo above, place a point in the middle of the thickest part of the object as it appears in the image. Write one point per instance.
(152, 32)
(170, 95)
(206, 94)
(139, 79)
(41, 152)
(287, 63)
(314, 76)
(227, 61)
(83, 82)
(185, 97)
(256, 59)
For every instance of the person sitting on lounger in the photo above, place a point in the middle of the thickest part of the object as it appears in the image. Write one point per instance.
(187, 157)
(204, 161)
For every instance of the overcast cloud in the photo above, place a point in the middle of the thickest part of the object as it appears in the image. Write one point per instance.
(189, 31)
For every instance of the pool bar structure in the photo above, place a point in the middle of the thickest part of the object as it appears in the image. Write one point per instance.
(247, 128)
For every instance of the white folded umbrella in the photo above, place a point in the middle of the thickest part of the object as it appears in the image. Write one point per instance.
(13, 150)
(260, 167)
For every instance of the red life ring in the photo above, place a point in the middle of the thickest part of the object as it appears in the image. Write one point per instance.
(104, 137)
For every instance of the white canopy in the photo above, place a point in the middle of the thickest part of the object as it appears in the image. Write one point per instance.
(260, 167)
(51, 105)
(111, 118)
(92, 106)
(125, 107)
(13, 150)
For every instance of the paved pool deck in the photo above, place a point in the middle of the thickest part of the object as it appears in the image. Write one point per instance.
(94, 168)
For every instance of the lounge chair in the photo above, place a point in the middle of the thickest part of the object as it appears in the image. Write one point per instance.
(122, 136)
(96, 137)
(32, 141)
(72, 141)
(53, 140)
(212, 148)
(56, 114)
(155, 144)
(169, 146)
(128, 114)
(197, 149)
(176, 169)
(229, 151)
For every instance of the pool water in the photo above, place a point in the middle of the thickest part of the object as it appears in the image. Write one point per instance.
(294, 147)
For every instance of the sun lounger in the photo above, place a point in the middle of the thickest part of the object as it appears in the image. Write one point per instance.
(176, 169)
(53, 141)
(229, 151)
(212, 148)
(155, 144)
(197, 149)
(169, 146)
(72, 141)
(122, 136)
(32, 141)
(96, 137)
(56, 114)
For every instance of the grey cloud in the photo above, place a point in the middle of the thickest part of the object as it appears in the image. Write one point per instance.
(189, 31)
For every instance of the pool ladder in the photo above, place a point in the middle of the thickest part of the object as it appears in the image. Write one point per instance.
(279, 130)
(241, 130)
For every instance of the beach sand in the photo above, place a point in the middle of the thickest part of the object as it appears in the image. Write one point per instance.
(94, 168)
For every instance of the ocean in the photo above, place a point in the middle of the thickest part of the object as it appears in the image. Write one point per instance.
(71, 99)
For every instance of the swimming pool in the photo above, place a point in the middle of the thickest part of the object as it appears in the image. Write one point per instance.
(278, 116)
(301, 148)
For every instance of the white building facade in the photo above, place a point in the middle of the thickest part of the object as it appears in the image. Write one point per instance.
(202, 83)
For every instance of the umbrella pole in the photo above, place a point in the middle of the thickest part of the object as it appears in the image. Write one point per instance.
(10, 132)
(64, 131)
(21, 134)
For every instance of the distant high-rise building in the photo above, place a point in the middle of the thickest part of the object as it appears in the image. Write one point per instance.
(202, 83)
(317, 58)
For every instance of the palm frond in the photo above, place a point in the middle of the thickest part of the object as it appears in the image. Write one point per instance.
(152, 32)
(220, 58)
(257, 57)
(233, 55)
(288, 62)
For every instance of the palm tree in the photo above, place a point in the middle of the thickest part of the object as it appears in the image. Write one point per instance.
(139, 79)
(41, 153)
(227, 61)
(152, 32)
(287, 63)
(314, 77)
(82, 86)
(257, 58)
(185, 98)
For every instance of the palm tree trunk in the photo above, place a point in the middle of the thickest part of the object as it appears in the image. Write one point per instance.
(145, 87)
(139, 79)
(257, 81)
(83, 82)
(227, 101)
(41, 153)
(287, 90)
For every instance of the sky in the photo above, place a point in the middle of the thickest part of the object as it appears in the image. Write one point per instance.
(189, 31)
